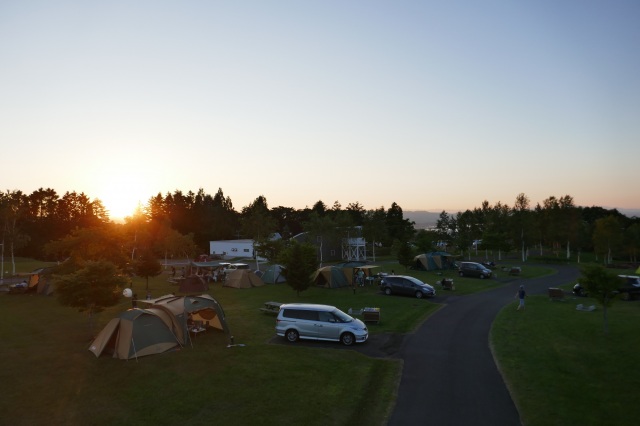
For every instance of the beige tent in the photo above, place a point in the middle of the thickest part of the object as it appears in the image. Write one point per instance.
(242, 278)
(135, 333)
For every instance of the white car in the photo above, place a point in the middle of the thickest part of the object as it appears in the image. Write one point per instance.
(319, 322)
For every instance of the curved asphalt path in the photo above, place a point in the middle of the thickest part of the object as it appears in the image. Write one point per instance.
(449, 375)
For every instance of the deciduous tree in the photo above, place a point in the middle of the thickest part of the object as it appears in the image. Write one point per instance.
(299, 262)
(601, 285)
(97, 285)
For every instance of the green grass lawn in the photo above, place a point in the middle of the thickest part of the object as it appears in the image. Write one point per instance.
(560, 366)
(563, 369)
(49, 376)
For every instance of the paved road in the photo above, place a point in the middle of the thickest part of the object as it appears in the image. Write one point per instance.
(449, 375)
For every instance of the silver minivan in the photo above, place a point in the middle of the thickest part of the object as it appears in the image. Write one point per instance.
(319, 322)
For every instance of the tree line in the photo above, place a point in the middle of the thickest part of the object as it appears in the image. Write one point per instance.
(557, 225)
(45, 225)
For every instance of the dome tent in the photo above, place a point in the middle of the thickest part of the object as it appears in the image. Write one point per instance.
(135, 333)
(433, 261)
(330, 277)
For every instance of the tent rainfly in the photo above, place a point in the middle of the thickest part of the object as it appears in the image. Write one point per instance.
(135, 333)
(434, 261)
(163, 326)
(330, 277)
(273, 275)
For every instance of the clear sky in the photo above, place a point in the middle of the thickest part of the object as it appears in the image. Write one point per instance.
(434, 105)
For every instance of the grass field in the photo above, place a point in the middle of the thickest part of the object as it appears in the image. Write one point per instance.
(562, 369)
(550, 353)
(49, 376)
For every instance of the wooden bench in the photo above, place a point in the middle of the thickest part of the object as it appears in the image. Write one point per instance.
(556, 294)
(271, 308)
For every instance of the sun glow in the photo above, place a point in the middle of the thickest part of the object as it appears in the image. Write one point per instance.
(121, 205)
(121, 198)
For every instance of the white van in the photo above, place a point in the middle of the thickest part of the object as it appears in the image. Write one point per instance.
(319, 322)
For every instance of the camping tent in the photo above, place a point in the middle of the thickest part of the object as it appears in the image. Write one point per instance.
(135, 333)
(193, 284)
(184, 310)
(242, 278)
(436, 260)
(273, 275)
(37, 281)
(330, 277)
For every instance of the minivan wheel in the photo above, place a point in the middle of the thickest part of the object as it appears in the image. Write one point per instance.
(387, 291)
(461, 273)
(292, 335)
(418, 295)
(347, 339)
(482, 277)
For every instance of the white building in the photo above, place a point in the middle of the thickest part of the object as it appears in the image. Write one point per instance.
(232, 248)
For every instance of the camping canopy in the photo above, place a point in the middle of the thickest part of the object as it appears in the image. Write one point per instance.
(184, 309)
(135, 333)
(242, 278)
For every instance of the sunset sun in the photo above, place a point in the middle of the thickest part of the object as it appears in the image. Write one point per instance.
(121, 199)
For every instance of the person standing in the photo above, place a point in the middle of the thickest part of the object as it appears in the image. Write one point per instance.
(521, 294)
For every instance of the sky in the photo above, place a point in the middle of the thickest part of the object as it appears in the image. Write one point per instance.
(433, 105)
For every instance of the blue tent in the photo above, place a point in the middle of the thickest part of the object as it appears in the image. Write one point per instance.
(273, 275)
(434, 261)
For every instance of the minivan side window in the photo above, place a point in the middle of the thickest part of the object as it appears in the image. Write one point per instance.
(301, 314)
(326, 317)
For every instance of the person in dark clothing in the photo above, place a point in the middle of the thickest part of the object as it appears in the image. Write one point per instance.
(521, 294)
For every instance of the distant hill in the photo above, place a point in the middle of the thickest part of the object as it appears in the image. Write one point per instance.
(425, 219)
(630, 212)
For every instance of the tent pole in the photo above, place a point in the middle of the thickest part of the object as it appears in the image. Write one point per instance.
(134, 349)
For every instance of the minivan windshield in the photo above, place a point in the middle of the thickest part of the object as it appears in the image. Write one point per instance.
(342, 316)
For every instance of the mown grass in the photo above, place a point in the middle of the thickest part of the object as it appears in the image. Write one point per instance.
(558, 363)
(49, 376)
(563, 369)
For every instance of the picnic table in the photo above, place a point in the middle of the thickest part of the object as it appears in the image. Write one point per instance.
(271, 307)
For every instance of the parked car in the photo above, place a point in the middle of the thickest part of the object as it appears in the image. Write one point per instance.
(489, 264)
(406, 285)
(473, 269)
(319, 322)
(629, 287)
